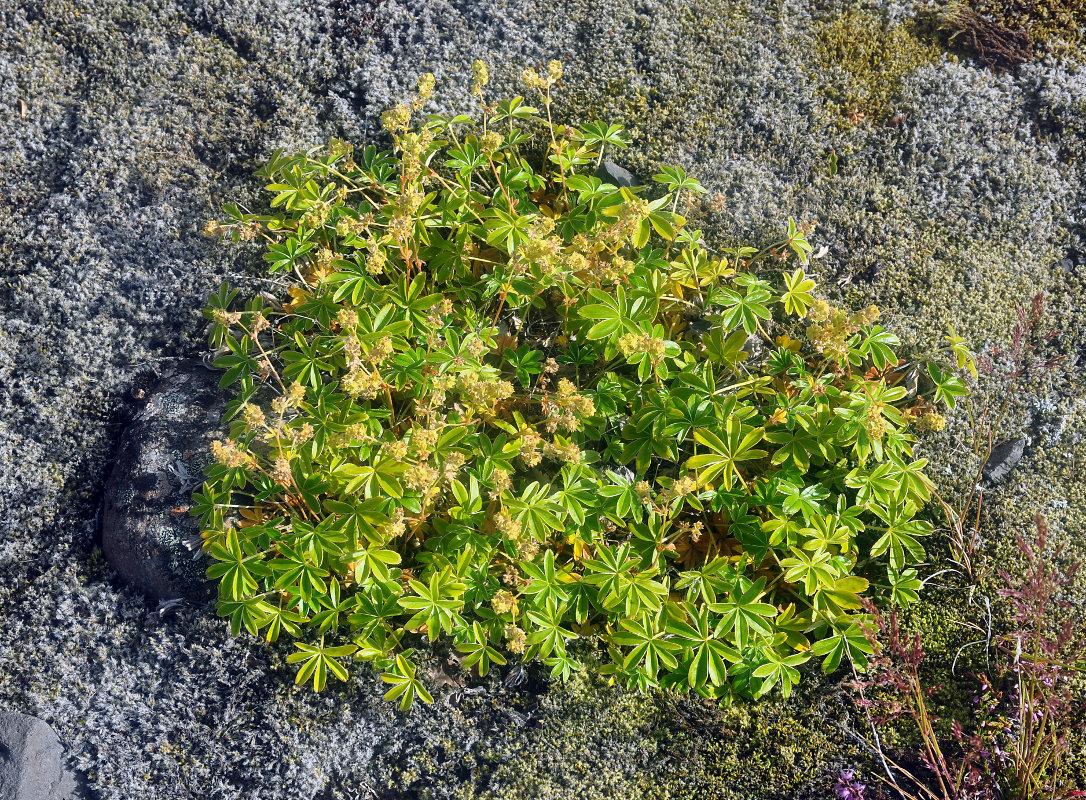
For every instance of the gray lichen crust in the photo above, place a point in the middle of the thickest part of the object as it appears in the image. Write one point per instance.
(128, 122)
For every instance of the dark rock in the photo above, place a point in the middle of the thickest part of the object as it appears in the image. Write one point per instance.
(610, 172)
(1003, 459)
(31, 760)
(148, 536)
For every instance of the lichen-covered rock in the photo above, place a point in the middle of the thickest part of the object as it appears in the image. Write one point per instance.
(31, 760)
(148, 536)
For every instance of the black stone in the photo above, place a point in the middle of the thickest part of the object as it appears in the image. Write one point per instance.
(31, 760)
(1003, 459)
(148, 536)
(610, 172)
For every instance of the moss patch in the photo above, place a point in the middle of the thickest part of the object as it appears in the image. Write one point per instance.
(864, 57)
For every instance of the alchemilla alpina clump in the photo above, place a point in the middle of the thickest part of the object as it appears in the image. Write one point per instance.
(509, 404)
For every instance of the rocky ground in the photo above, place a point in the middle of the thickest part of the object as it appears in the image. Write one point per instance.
(959, 191)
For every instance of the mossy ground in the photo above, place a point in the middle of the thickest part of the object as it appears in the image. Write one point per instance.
(141, 116)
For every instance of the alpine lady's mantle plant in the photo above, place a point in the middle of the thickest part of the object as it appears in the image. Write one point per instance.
(506, 403)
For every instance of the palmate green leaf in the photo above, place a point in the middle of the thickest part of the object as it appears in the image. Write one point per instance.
(825, 532)
(640, 593)
(722, 347)
(876, 486)
(948, 387)
(525, 362)
(791, 628)
(547, 583)
(239, 363)
(614, 315)
(318, 540)
(436, 605)
(250, 612)
(536, 510)
(742, 616)
(913, 483)
(513, 109)
(410, 300)
(332, 609)
(317, 661)
(360, 521)
(288, 256)
(374, 608)
(843, 641)
(625, 503)
(649, 540)
(813, 568)
(745, 308)
(798, 243)
(562, 666)
(904, 587)
(706, 582)
(599, 134)
(838, 597)
(758, 542)
(685, 416)
(406, 687)
(477, 651)
(610, 570)
(900, 534)
(280, 619)
(208, 504)
(963, 356)
(508, 230)
(796, 445)
(797, 297)
(374, 561)
(218, 302)
(878, 345)
(466, 159)
(676, 180)
(649, 643)
(306, 364)
(241, 565)
(297, 572)
(779, 670)
(382, 477)
(548, 635)
(575, 497)
(799, 499)
(736, 446)
(666, 223)
(707, 654)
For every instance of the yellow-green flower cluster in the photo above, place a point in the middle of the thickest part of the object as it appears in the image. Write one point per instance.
(534, 80)
(831, 327)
